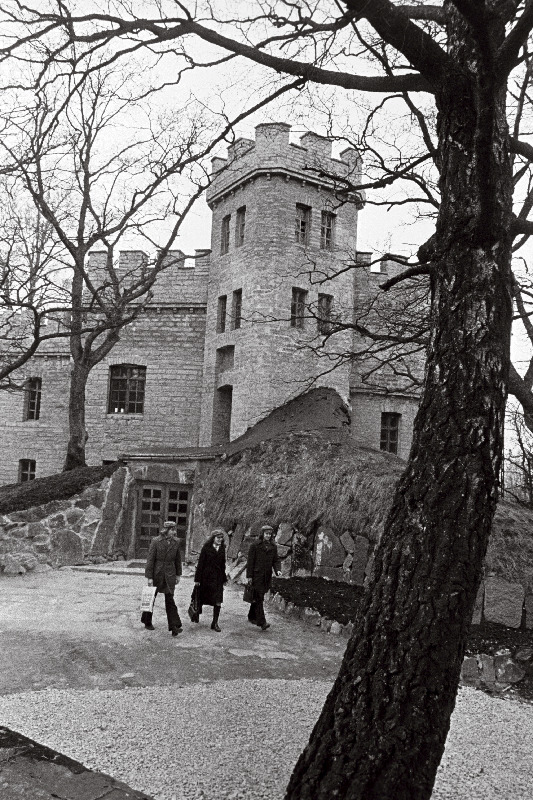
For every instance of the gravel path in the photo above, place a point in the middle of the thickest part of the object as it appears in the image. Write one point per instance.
(238, 740)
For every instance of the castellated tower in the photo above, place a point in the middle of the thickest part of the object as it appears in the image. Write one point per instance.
(284, 230)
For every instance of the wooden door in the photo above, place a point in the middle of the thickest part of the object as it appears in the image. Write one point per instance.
(159, 502)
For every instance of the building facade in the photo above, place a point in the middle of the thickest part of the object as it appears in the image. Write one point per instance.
(228, 336)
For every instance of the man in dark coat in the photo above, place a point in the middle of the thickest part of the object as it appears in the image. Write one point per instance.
(163, 570)
(262, 559)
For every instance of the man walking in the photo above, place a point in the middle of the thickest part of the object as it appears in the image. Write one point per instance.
(163, 570)
(262, 559)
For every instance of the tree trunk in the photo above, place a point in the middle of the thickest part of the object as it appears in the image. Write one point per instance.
(76, 417)
(382, 731)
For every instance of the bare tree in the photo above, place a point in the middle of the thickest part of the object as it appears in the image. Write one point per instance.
(382, 731)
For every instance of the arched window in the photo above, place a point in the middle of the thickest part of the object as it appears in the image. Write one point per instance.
(126, 389)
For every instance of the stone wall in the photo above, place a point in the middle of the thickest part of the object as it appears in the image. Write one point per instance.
(72, 531)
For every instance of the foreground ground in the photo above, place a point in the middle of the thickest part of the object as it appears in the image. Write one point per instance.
(204, 716)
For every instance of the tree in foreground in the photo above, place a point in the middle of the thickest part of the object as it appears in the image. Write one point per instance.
(383, 728)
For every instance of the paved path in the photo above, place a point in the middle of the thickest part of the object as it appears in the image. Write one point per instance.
(75, 629)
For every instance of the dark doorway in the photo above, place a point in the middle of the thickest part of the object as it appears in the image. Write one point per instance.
(222, 415)
(158, 502)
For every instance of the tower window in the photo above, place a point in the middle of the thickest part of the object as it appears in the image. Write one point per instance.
(390, 432)
(298, 304)
(327, 230)
(303, 223)
(239, 226)
(26, 470)
(32, 399)
(126, 389)
(224, 234)
(236, 309)
(221, 313)
(325, 306)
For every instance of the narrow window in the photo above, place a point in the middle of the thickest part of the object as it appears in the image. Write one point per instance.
(390, 432)
(325, 305)
(303, 223)
(126, 389)
(327, 230)
(236, 309)
(26, 470)
(239, 226)
(221, 313)
(224, 234)
(298, 304)
(32, 400)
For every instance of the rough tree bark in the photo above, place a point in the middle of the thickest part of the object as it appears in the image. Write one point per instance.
(382, 731)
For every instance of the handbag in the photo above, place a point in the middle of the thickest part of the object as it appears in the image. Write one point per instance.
(148, 598)
(194, 606)
(248, 595)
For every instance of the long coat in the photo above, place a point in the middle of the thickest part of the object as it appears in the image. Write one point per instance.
(163, 563)
(211, 574)
(262, 559)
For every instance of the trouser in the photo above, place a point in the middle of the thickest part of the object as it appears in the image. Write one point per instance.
(257, 612)
(173, 616)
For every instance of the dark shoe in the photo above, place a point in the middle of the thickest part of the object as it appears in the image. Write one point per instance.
(149, 627)
(175, 631)
(214, 627)
(264, 626)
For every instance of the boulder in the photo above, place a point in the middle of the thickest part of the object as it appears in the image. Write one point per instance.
(310, 616)
(347, 563)
(329, 551)
(507, 670)
(12, 565)
(347, 542)
(28, 560)
(286, 566)
(325, 624)
(235, 543)
(336, 628)
(524, 654)
(503, 602)
(283, 550)
(487, 670)
(66, 547)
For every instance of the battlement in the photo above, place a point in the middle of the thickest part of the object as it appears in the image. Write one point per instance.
(272, 152)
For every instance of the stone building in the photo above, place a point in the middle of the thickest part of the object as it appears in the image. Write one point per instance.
(227, 337)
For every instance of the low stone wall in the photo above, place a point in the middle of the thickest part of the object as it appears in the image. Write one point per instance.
(76, 530)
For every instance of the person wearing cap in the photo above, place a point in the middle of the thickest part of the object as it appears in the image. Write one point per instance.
(163, 570)
(210, 575)
(262, 560)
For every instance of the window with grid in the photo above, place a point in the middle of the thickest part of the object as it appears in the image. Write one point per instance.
(303, 223)
(221, 313)
(126, 389)
(298, 304)
(239, 226)
(236, 309)
(32, 400)
(224, 234)
(26, 470)
(324, 313)
(327, 230)
(390, 432)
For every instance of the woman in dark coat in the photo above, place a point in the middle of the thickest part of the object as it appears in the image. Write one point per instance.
(210, 574)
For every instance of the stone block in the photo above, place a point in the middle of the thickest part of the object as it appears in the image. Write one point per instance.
(283, 550)
(284, 534)
(524, 654)
(503, 602)
(478, 606)
(347, 563)
(347, 629)
(325, 624)
(486, 668)
(360, 559)
(235, 543)
(330, 573)
(73, 515)
(66, 547)
(28, 560)
(470, 671)
(329, 551)
(310, 616)
(57, 521)
(347, 542)
(37, 529)
(286, 566)
(336, 628)
(303, 573)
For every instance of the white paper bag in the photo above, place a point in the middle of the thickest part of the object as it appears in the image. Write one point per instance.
(148, 598)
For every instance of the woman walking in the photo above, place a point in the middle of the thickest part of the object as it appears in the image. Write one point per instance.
(210, 575)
